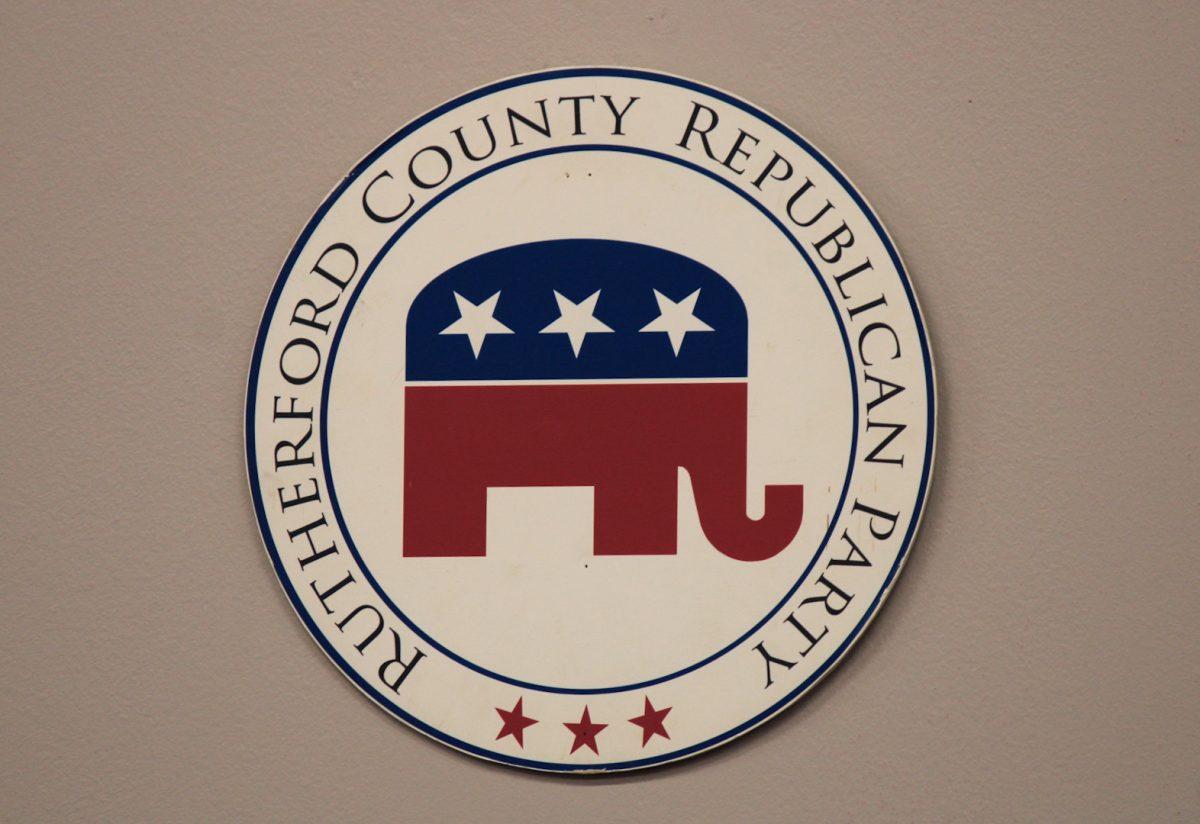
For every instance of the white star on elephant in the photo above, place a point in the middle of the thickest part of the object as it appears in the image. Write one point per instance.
(676, 319)
(476, 322)
(576, 320)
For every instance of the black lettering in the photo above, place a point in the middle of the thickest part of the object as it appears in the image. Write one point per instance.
(894, 430)
(315, 554)
(791, 204)
(835, 237)
(776, 160)
(344, 280)
(856, 557)
(884, 394)
(377, 216)
(514, 116)
(736, 151)
(833, 590)
(857, 310)
(405, 669)
(462, 141)
(311, 320)
(341, 625)
(618, 116)
(840, 279)
(300, 498)
(327, 594)
(412, 167)
(692, 128)
(770, 660)
(299, 379)
(867, 331)
(808, 636)
(576, 103)
(877, 513)
(306, 414)
(296, 459)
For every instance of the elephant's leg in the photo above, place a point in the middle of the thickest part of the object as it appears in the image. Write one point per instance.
(635, 513)
(443, 517)
(445, 494)
(714, 452)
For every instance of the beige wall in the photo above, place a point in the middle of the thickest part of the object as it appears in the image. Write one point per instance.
(1038, 166)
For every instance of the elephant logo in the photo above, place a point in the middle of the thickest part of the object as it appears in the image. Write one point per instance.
(589, 363)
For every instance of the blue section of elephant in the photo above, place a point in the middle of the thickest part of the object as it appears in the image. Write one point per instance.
(526, 276)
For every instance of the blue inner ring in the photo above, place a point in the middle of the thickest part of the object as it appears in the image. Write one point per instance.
(324, 428)
(252, 461)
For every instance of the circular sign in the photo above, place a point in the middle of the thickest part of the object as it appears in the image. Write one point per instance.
(590, 420)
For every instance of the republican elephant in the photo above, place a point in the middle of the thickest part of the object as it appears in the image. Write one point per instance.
(584, 363)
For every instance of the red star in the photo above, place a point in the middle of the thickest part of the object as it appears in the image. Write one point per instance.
(585, 732)
(515, 722)
(651, 722)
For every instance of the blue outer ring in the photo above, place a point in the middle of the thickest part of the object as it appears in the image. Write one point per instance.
(328, 380)
(260, 341)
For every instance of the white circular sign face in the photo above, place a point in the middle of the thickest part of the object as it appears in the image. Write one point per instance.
(590, 420)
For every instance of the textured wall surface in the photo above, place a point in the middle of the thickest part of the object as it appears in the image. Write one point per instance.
(1038, 166)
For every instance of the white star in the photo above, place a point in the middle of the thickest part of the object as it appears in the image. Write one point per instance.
(676, 319)
(576, 320)
(476, 322)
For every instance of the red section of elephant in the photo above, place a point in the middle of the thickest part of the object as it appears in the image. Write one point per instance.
(625, 440)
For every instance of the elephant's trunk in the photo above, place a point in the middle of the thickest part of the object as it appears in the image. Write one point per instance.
(718, 475)
(722, 508)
